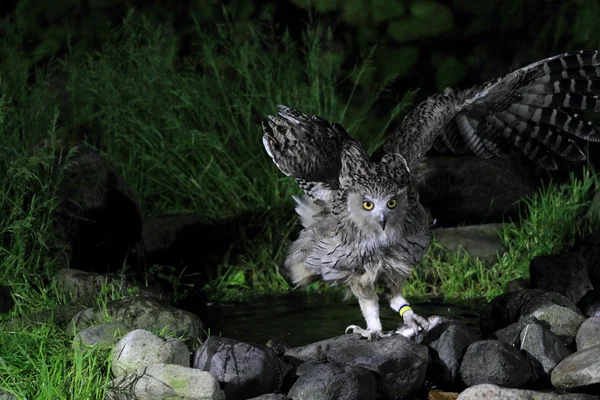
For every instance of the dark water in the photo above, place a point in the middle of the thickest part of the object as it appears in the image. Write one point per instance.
(300, 319)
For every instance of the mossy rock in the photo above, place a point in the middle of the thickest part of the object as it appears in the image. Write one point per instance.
(427, 18)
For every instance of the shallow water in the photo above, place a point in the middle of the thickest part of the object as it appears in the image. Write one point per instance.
(300, 319)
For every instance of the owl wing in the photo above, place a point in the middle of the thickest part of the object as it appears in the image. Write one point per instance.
(534, 109)
(309, 149)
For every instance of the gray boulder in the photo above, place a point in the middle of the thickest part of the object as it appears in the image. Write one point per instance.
(144, 313)
(588, 334)
(399, 363)
(590, 304)
(243, 370)
(481, 241)
(493, 392)
(450, 346)
(165, 382)
(332, 381)
(543, 349)
(566, 274)
(271, 396)
(493, 361)
(555, 309)
(140, 348)
(578, 371)
(103, 335)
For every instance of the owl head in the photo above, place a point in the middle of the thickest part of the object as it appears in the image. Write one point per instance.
(375, 193)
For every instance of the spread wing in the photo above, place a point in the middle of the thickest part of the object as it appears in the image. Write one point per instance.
(308, 149)
(534, 109)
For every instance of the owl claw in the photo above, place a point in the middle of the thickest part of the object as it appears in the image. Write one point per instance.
(366, 333)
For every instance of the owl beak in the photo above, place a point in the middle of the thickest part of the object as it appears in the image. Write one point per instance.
(382, 221)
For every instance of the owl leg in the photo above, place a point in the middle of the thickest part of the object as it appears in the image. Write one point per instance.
(399, 304)
(369, 305)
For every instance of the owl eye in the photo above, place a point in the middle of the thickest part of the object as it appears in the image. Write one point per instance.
(367, 205)
(392, 203)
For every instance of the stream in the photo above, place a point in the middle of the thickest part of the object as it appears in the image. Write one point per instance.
(299, 318)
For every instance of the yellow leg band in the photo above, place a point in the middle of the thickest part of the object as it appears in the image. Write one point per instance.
(404, 309)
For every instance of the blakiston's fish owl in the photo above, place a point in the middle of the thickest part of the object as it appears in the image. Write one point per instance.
(362, 219)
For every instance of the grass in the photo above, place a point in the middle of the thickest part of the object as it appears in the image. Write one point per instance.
(185, 134)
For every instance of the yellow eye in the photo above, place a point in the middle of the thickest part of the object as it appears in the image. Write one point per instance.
(392, 203)
(367, 205)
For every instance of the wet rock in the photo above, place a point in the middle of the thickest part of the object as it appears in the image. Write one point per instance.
(517, 284)
(590, 304)
(588, 334)
(85, 286)
(140, 348)
(450, 347)
(103, 335)
(165, 381)
(559, 312)
(144, 313)
(471, 190)
(242, 369)
(493, 392)
(567, 275)
(543, 349)
(331, 381)
(97, 215)
(578, 371)
(481, 241)
(399, 363)
(493, 361)
(270, 396)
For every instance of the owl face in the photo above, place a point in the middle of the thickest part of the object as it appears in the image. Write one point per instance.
(377, 208)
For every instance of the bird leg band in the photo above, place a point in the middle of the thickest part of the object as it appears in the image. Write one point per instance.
(404, 308)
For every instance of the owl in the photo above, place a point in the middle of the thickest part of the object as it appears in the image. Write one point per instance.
(362, 221)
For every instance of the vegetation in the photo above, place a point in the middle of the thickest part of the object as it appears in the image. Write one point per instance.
(183, 128)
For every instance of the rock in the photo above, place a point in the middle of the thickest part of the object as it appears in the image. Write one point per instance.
(85, 286)
(567, 275)
(399, 363)
(511, 334)
(173, 239)
(333, 381)
(140, 348)
(493, 361)
(471, 190)
(270, 396)
(7, 396)
(590, 304)
(588, 334)
(449, 348)
(493, 392)
(578, 371)
(97, 215)
(165, 381)
(242, 369)
(543, 349)
(103, 335)
(517, 284)
(481, 241)
(559, 312)
(144, 313)
(589, 248)
(6, 301)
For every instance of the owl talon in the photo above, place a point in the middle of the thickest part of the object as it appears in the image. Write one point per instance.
(366, 333)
